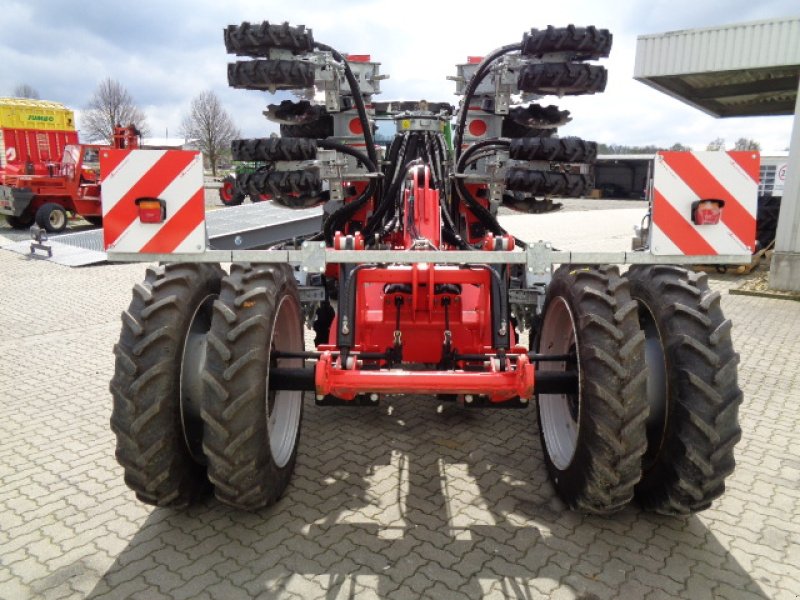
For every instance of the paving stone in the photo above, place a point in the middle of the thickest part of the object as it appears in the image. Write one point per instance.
(411, 504)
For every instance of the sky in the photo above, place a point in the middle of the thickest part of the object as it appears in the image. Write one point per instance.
(167, 52)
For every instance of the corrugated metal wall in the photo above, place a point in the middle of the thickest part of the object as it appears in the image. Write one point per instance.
(744, 46)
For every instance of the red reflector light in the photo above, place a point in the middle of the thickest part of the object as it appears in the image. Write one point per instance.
(477, 127)
(359, 57)
(707, 212)
(474, 60)
(355, 126)
(151, 210)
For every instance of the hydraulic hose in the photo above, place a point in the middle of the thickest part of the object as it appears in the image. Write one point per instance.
(469, 92)
(358, 99)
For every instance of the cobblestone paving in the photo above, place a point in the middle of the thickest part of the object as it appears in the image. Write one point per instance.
(399, 501)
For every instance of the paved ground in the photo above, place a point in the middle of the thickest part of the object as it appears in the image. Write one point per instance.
(400, 501)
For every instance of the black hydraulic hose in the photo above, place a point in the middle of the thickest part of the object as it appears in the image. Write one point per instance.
(358, 99)
(478, 146)
(345, 149)
(480, 73)
(389, 199)
(343, 213)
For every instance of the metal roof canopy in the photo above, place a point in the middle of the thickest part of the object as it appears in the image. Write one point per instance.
(739, 70)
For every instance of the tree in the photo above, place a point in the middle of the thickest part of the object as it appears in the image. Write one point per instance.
(23, 90)
(716, 144)
(678, 147)
(746, 144)
(211, 126)
(111, 105)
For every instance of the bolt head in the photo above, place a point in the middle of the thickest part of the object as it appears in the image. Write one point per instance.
(468, 398)
(373, 397)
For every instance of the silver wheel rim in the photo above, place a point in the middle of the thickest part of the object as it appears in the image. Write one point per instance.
(283, 407)
(657, 384)
(57, 218)
(559, 427)
(193, 362)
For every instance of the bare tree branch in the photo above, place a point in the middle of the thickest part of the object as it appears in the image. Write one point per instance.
(23, 90)
(210, 125)
(746, 144)
(111, 105)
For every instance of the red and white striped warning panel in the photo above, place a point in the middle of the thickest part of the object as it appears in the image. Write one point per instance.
(170, 180)
(684, 181)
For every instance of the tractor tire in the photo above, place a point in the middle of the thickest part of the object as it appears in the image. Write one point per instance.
(545, 182)
(257, 40)
(154, 433)
(23, 221)
(320, 129)
(270, 75)
(251, 432)
(512, 129)
(229, 194)
(569, 149)
(692, 390)
(562, 79)
(274, 149)
(51, 217)
(583, 43)
(593, 441)
(293, 189)
(292, 113)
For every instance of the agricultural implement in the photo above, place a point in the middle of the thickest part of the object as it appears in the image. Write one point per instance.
(411, 287)
(69, 186)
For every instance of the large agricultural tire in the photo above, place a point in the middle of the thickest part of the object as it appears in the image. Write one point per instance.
(153, 431)
(532, 181)
(257, 40)
(582, 43)
(291, 113)
(229, 194)
(273, 149)
(23, 221)
(318, 130)
(568, 149)
(270, 74)
(562, 79)
(293, 189)
(51, 217)
(692, 390)
(594, 440)
(251, 432)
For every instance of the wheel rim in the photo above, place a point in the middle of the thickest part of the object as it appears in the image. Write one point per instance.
(560, 414)
(227, 191)
(57, 218)
(283, 407)
(191, 383)
(657, 384)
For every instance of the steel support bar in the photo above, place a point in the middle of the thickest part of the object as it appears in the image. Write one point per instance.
(317, 261)
(498, 385)
(302, 379)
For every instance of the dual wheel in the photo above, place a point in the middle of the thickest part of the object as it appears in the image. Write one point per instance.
(51, 217)
(192, 406)
(654, 415)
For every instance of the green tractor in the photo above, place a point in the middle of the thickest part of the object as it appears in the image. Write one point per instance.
(230, 194)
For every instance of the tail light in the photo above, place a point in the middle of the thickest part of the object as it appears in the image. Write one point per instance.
(151, 210)
(707, 212)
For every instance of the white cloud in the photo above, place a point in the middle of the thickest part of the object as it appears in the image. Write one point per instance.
(166, 53)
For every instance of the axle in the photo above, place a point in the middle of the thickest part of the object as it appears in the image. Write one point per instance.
(302, 379)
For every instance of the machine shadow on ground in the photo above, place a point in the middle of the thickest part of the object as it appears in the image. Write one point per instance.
(406, 501)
